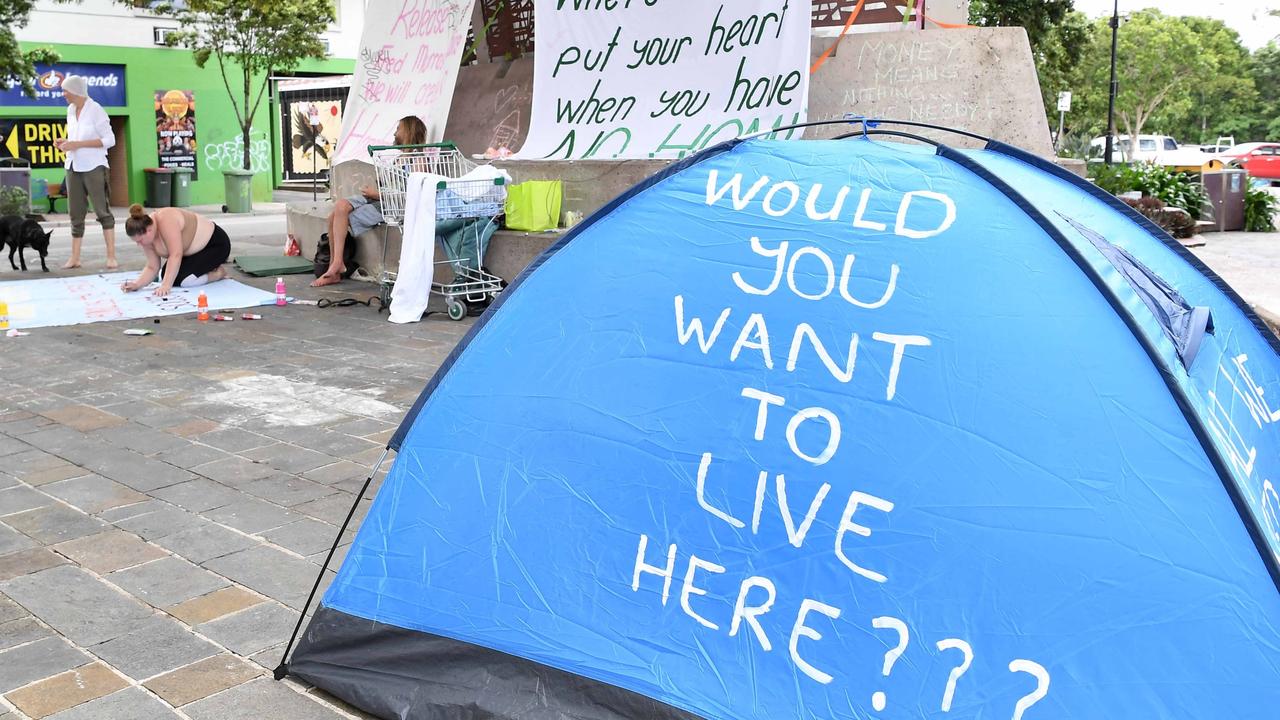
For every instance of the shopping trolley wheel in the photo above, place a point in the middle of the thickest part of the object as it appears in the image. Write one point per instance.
(457, 309)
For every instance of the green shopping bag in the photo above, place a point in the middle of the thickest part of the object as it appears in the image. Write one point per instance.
(534, 205)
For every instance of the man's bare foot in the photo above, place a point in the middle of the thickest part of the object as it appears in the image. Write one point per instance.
(112, 264)
(329, 278)
(71, 265)
(219, 274)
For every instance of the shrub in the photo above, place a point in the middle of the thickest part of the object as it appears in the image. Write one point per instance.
(1260, 208)
(14, 201)
(1173, 188)
(1175, 221)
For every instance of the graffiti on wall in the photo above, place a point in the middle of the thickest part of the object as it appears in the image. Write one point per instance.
(229, 154)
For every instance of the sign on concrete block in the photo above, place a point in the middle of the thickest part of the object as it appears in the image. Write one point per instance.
(410, 51)
(664, 78)
(982, 80)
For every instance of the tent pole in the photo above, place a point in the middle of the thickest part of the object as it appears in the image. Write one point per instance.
(283, 668)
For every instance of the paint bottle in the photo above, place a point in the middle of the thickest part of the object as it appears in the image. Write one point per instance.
(203, 303)
(4, 315)
(281, 298)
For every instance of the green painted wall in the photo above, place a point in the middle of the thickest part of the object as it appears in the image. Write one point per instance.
(217, 131)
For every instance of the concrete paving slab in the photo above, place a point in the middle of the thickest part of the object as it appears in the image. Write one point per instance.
(109, 551)
(216, 604)
(67, 690)
(21, 631)
(26, 562)
(157, 647)
(166, 582)
(78, 605)
(53, 524)
(198, 495)
(129, 704)
(12, 541)
(272, 572)
(253, 629)
(93, 493)
(253, 516)
(20, 499)
(38, 660)
(261, 698)
(205, 541)
(202, 679)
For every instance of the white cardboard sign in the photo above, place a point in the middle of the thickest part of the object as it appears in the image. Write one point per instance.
(664, 78)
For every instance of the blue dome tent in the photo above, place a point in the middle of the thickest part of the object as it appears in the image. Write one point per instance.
(832, 429)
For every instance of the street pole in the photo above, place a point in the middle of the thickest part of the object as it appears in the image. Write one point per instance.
(1111, 100)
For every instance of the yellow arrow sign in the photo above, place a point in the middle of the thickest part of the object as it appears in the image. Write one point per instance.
(32, 140)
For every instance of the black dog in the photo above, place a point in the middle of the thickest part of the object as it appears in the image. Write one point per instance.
(22, 233)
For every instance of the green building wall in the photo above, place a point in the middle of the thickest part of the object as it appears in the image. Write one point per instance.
(217, 130)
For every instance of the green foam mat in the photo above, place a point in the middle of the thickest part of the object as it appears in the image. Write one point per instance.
(268, 265)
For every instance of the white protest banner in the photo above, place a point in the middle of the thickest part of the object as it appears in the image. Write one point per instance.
(664, 78)
(409, 56)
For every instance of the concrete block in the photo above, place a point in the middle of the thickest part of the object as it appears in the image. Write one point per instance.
(981, 80)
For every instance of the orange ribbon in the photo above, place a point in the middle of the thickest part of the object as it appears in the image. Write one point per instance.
(847, 24)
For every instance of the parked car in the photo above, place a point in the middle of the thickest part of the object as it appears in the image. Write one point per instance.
(1158, 149)
(1260, 159)
(1222, 145)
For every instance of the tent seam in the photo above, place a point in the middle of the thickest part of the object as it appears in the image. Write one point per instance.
(1146, 224)
(1179, 395)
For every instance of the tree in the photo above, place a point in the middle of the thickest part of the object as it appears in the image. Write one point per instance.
(18, 67)
(250, 39)
(1223, 102)
(1264, 69)
(1160, 62)
(1059, 38)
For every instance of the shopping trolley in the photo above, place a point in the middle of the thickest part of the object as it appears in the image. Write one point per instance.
(457, 199)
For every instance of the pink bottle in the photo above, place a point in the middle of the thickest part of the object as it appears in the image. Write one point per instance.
(281, 298)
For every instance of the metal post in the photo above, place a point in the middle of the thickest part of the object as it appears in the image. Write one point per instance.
(1111, 100)
(1057, 140)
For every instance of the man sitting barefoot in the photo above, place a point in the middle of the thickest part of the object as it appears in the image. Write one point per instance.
(362, 212)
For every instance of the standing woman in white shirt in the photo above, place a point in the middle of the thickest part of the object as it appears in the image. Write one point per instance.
(88, 138)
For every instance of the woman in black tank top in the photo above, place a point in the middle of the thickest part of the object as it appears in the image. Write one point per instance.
(179, 266)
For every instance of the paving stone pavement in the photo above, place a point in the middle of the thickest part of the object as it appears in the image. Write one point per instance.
(166, 501)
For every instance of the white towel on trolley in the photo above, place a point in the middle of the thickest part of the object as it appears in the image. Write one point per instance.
(412, 290)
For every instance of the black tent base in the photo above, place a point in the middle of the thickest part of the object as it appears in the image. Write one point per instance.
(400, 674)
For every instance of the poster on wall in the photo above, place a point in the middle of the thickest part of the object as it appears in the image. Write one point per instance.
(408, 62)
(176, 130)
(620, 80)
(312, 123)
